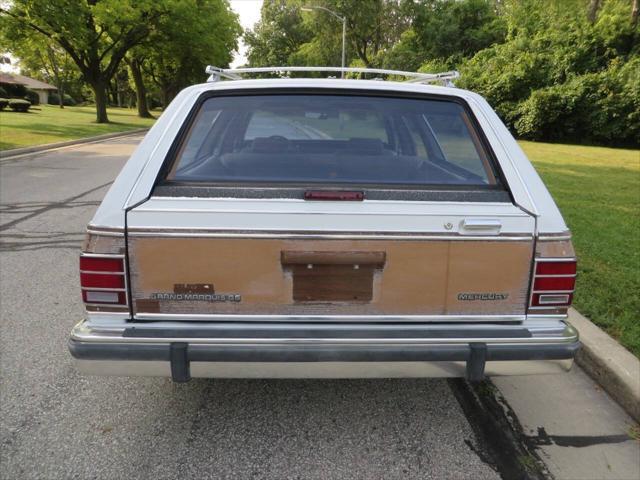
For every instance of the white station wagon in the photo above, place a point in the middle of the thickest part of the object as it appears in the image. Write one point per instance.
(314, 227)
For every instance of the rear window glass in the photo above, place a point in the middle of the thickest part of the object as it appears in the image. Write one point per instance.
(331, 139)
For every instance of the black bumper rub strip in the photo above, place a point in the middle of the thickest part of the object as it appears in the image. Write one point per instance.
(341, 333)
(477, 361)
(178, 352)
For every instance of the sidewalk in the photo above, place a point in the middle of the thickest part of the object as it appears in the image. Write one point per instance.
(609, 363)
(578, 431)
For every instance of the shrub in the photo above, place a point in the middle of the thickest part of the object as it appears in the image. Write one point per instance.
(14, 90)
(3, 103)
(68, 100)
(54, 99)
(598, 107)
(33, 97)
(18, 105)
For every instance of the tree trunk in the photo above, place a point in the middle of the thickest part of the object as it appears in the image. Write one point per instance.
(634, 13)
(141, 90)
(100, 95)
(113, 91)
(61, 95)
(592, 10)
(164, 97)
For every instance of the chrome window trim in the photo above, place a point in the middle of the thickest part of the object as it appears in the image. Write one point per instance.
(553, 291)
(329, 318)
(103, 289)
(92, 272)
(554, 237)
(564, 275)
(103, 233)
(106, 305)
(146, 209)
(322, 236)
(551, 307)
(556, 259)
(102, 255)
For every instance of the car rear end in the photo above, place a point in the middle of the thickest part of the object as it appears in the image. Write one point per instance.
(321, 229)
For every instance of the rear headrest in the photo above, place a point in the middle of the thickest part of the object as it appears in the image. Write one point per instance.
(368, 146)
(269, 144)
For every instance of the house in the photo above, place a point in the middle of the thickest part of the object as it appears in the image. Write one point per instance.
(41, 88)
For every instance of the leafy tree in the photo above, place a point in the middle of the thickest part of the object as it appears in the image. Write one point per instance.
(198, 33)
(602, 107)
(175, 54)
(285, 35)
(456, 29)
(135, 60)
(96, 34)
(278, 35)
(46, 61)
(551, 43)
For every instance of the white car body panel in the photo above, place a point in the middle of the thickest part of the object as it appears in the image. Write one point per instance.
(297, 215)
(134, 184)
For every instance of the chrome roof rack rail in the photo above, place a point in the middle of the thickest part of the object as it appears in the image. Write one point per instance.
(444, 78)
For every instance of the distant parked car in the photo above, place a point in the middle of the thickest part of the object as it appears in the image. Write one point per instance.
(326, 228)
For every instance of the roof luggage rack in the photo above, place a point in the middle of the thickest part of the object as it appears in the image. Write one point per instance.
(444, 78)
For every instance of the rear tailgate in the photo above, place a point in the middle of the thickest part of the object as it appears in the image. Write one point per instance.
(243, 222)
(276, 259)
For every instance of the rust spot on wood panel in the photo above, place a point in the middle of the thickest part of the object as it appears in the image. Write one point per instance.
(147, 305)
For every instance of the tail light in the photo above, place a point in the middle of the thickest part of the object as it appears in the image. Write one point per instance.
(103, 280)
(554, 280)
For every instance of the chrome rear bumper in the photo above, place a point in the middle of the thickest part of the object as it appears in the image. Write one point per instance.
(240, 350)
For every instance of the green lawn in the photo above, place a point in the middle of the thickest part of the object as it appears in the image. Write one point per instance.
(598, 192)
(49, 124)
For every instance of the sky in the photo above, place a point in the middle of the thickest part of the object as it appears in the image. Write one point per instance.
(249, 12)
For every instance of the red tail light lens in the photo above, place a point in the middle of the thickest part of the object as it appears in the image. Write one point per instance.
(103, 280)
(544, 267)
(554, 281)
(98, 280)
(333, 195)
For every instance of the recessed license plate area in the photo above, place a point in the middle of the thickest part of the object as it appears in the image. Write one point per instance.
(332, 276)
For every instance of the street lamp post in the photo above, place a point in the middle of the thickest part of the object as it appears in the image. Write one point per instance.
(344, 28)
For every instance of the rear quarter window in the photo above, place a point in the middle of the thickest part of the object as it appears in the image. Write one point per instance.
(315, 139)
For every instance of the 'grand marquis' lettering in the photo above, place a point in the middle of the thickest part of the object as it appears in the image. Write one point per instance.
(198, 297)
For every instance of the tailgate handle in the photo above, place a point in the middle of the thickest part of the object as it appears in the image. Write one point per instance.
(481, 225)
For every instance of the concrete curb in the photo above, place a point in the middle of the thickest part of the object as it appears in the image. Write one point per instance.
(609, 363)
(51, 146)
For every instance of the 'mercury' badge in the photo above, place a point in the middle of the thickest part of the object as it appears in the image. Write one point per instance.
(490, 296)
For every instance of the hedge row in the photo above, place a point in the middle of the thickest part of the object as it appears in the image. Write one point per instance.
(15, 104)
(68, 101)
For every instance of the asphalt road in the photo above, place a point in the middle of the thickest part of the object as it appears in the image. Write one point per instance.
(55, 423)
